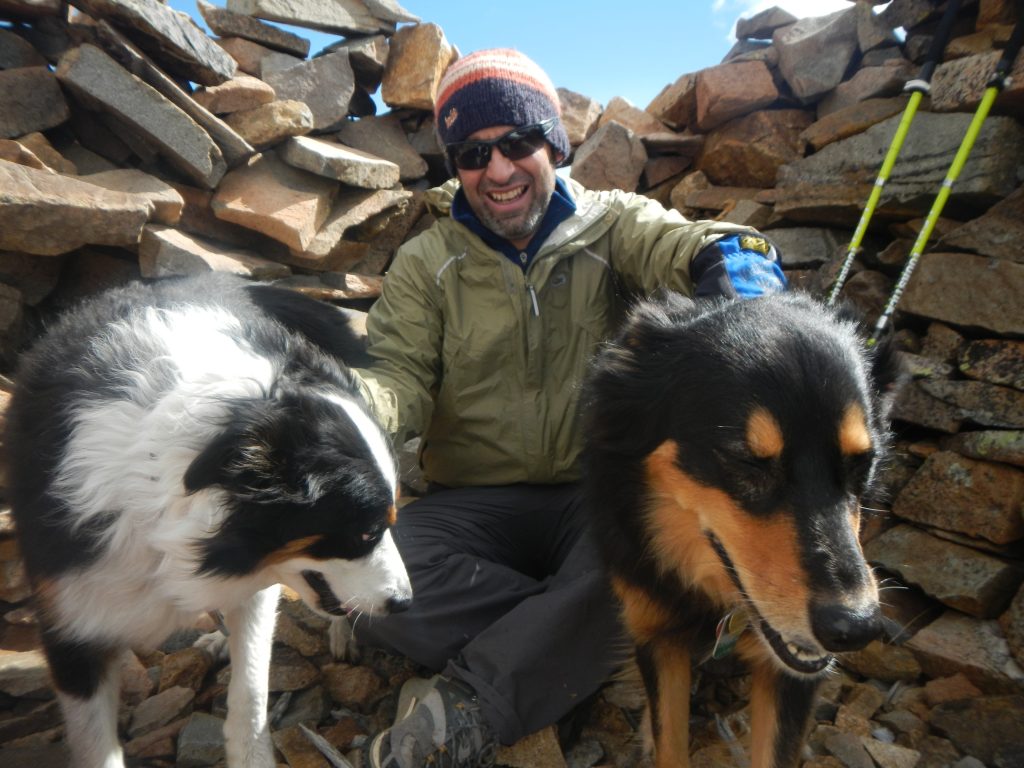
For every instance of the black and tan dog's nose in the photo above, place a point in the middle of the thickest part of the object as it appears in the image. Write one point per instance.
(841, 627)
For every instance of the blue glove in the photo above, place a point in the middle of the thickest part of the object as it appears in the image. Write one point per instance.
(737, 267)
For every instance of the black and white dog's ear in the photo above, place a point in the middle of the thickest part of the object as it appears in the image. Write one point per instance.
(240, 458)
(212, 466)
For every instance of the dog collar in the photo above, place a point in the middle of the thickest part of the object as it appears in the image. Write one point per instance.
(727, 633)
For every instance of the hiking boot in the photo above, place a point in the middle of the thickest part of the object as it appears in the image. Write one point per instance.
(439, 724)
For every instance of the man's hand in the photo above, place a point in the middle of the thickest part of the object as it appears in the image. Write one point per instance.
(738, 266)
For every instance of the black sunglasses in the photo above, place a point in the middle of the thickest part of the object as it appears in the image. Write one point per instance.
(515, 145)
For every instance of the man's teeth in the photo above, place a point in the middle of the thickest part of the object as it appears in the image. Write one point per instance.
(504, 197)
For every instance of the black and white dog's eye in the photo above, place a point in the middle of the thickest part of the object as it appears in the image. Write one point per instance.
(373, 535)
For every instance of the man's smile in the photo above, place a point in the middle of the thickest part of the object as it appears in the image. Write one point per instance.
(507, 196)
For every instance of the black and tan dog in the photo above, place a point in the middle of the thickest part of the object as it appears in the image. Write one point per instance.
(729, 445)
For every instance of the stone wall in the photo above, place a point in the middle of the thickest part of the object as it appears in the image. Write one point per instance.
(132, 144)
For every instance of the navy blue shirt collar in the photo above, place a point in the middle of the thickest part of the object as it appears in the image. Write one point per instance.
(561, 207)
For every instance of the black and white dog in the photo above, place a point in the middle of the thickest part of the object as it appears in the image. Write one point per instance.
(185, 447)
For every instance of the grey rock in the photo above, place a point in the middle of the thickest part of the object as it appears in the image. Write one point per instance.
(833, 184)
(955, 642)
(166, 252)
(368, 57)
(272, 123)
(17, 52)
(65, 213)
(969, 291)
(336, 161)
(325, 84)
(201, 741)
(983, 727)
(981, 403)
(814, 53)
(234, 147)
(32, 276)
(30, 100)
(309, 706)
(761, 25)
(613, 158)
(100, 81)
(159, 710)
(958, 576)
(997, 233)
(384, 137)
(25, 674)
(352, 208)
(808, 246)
(996, 361)
(166, 201)
(344, 17)
(225, 23)
(848, 749)
(979, 499)
(1006, 446)
(169, 36)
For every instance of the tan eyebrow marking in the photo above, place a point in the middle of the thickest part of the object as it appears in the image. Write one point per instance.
(854, 437)
(764, 436)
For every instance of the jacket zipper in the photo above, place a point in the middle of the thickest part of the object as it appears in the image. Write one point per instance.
(533, 299)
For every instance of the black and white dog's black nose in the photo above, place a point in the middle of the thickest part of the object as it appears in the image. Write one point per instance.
(398, 603)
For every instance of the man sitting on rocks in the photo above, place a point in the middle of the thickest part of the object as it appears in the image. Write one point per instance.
(479, 344)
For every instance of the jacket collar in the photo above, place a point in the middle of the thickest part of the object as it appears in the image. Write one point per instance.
(560, 208)
(590, 207)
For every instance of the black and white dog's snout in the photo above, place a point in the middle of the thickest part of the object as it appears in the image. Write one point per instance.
(329, 602)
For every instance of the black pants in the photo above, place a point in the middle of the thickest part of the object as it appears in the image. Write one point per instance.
(509, 596)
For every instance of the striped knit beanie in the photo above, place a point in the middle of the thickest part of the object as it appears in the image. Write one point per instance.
(498, 86)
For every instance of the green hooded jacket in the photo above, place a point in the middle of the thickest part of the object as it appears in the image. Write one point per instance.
(486, 362)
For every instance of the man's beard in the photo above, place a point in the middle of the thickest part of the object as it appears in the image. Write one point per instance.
(521, 227)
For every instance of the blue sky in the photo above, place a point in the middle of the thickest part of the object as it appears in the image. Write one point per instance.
(602, 50)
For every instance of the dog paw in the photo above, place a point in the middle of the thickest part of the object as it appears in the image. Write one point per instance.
(342, 641)
(252, 751)
(215, 644)
(261, 757)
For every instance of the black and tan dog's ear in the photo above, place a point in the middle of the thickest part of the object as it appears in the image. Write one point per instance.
(662, 310)
(887, 370)
(677, 307)
(885, 367)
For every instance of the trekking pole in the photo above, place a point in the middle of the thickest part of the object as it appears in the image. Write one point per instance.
(918, 88)
(1000, 79)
